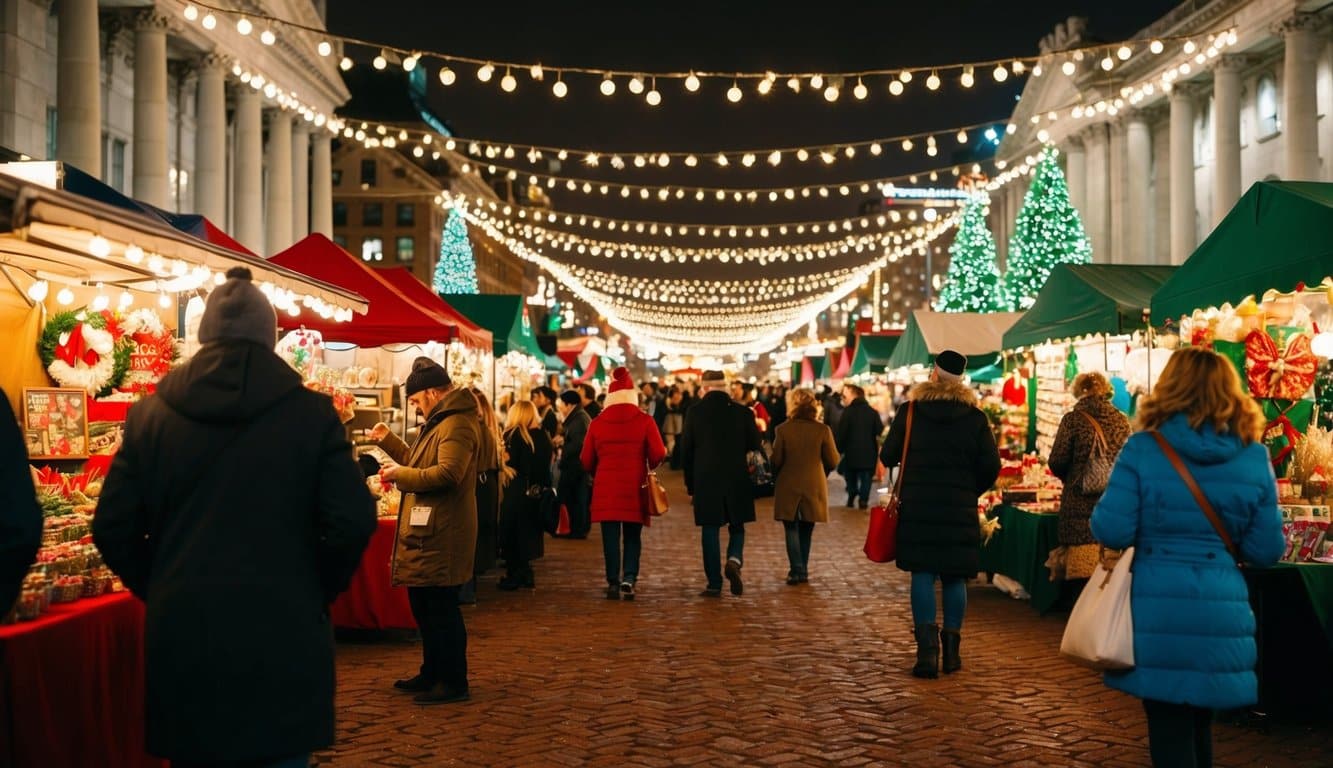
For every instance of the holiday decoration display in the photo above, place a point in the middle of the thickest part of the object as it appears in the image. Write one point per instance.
(85, 349)
(1283, 375)
(328, 381)
(153, 351)
(303, 350)
(456, 271)
(973, 283)
(1047, 232)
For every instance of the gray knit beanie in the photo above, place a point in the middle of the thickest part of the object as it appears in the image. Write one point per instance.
(238, 310)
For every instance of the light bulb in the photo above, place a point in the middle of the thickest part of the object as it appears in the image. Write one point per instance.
(896, 87)
(345, 64)
(831, 93)
(1000, 73)
(636, 85)
(1124, 53)
(654, 98)
(765, 86)
(1043, 135)
(1189, 47)
(65, 297)
(100, 302)
(734, 93)
(559, 89)
(967, 79)
(267, 37)
(191, 13)
(38, 290)
(608, 86)
(324, 48)
(164, 301)
(907, 145)
(126, 300)
(379, 62)
(508, 83)
(860, 91)
(448, 76)
(99, 247)
(133, 254)
(484, 73)
(244, 26)
(962, 137)
(876, 149)
(817, 82)
(1037, 70)
(410, 63)
(1108, 63)
(794, 83)
(692, 83)
(536, 72)
(1156, 46)
(1068, 68)
(209, 22)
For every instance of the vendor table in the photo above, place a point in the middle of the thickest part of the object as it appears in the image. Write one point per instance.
(1019, 550)
(1293, 610)
(371, 601)
(71, 687)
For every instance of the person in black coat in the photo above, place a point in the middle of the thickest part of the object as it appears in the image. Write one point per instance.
(575, 489)
(857, 438)
(20, 516)
(528, 452)
(544, 399)
(718, 435)
(951, 460)
(235, 510)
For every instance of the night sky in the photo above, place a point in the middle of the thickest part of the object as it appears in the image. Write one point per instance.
(680, 36)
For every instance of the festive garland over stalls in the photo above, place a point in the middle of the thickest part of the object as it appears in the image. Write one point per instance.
(86, 350)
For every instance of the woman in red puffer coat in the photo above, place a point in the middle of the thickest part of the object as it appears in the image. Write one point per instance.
(622, 443)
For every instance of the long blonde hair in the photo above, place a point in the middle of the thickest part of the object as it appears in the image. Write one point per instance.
(801, 404)
(522, 417)
(1204, 386)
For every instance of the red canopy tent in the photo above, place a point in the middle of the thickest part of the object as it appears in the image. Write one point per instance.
(844, 363)
(402, 278)
(392, 317)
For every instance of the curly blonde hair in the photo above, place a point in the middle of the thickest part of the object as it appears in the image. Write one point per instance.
(1204, 386)
(801, 403)
(1092, 383)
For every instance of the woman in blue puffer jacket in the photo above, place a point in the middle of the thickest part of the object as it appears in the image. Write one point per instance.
(1194, 644)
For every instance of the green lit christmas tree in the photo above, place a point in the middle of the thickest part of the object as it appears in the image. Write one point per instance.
(1047, 232)
(456, 271)
(973, 283)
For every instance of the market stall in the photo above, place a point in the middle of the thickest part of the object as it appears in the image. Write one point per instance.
(977, 335)
(519, 362)
(872, 353)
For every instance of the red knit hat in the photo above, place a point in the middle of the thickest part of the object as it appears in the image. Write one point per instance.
(620, 380)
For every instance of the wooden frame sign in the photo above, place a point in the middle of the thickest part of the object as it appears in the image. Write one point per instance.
(55, 423)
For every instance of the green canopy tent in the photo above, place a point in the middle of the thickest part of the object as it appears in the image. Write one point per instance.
(505, 316)
(1080, 299)
(975, 334)
(795, 373)
(987, 373)
(818, 365)
(872, 354)
(1278, 235)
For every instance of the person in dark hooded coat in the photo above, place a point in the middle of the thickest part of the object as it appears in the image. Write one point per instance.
(236, 511)
(20, 516)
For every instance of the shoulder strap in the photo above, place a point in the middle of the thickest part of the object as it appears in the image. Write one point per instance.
(1202, 500)
(907, 440)
(1101, 436)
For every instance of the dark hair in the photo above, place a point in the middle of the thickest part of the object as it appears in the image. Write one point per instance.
(856, 390)
(546, 392)
(588, 391)
(570, 397)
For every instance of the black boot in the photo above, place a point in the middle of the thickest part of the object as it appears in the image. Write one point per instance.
(949, 641)
(927, 651)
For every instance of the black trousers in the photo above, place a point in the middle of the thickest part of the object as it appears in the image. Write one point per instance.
(443, 636)
(1179, 735)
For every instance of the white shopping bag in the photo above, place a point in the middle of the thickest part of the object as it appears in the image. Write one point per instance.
(1100, 632)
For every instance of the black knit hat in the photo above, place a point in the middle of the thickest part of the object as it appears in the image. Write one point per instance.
(950, 364)
(426, 374)
(240, 311)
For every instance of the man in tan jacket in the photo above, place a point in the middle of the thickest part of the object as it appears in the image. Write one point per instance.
(437, 525)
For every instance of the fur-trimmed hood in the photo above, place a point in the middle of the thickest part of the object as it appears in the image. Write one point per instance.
(932, 391)
(621, 397)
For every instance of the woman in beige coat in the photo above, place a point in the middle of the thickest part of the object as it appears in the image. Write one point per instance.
(803, 455)
(437, 524)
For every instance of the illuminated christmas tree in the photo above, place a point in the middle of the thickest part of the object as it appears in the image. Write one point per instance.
(1047, 232)
(973, 283)
(456, 271)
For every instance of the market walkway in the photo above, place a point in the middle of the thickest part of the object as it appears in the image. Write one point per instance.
(794, 676)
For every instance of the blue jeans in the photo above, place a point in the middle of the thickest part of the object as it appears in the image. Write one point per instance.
(611, 535)
(923, 599)
(798, 545)
(712, 545)
(859, 482)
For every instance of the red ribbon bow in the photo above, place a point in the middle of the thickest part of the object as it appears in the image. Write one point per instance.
(1284, 376)
(74, 349)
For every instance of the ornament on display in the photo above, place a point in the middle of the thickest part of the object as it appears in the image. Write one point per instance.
(1047, 232)
(303, 350)
(1281, 374)
(85, 349)
(155, 350)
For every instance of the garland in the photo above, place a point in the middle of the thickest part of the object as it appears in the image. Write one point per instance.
(86, 350)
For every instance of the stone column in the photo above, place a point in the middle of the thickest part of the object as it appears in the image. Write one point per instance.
(1300, 113)
(1097, 207)
(1076, 173)
(247, 186)
(1182, 174)
(210, 141)
(150, 109)
(300, 180)
(278, 218)
(1118, 200)
(321, 184)
(1226, 134)
(1138, 175)
(79, 86)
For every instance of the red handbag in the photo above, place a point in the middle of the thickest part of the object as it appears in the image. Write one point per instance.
(882, 533)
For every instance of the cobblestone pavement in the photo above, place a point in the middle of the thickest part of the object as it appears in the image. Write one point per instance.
(781, 676)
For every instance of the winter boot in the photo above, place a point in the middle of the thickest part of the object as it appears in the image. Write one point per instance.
(927, 651)
(949, 641)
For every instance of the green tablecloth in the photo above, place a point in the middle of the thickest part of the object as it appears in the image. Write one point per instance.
(1019, 550)
(1318, 578)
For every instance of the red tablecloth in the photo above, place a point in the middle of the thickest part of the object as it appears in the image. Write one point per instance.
(371, 601)
(71, 687)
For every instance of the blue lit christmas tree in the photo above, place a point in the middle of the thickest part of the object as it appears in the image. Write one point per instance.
(1047, 232)
(973, 283)
(456, 271)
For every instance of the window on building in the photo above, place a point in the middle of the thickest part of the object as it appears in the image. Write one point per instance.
(117, 177)
(340, 241)
(106, 158)
(1266, 107)
(372, 214)
(407, 214)
(339, 214)
(372, 249)
(337, 177)
(368, 173)
(52, 118)
(406, 248)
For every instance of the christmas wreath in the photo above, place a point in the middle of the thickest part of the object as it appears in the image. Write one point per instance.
(153, 351)
(86, 350)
